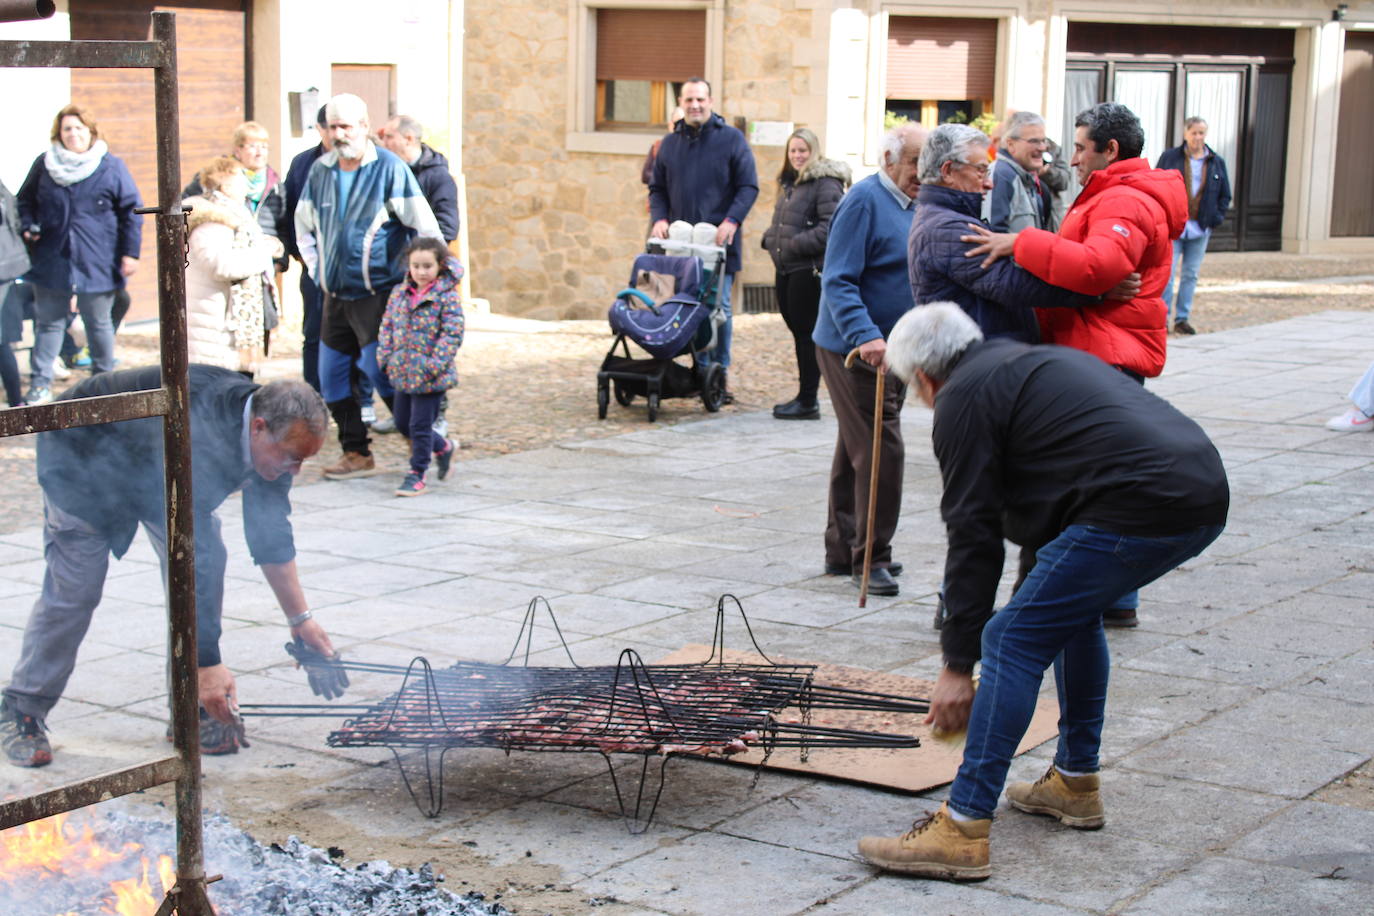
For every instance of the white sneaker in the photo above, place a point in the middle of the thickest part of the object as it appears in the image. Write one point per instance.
(1350, 421)
(369, 414)
(60, 370)
(384, 425)
(441, 428)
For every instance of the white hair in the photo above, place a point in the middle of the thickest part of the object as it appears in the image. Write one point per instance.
(1011, 129)
(930, 338)
(898, 138)
(347, 107)
(949, 143)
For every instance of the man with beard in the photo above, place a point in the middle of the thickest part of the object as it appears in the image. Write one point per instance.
(360, 207)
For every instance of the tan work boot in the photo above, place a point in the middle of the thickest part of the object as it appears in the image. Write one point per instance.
(352, 464)
(1075, 800)
(937, 846)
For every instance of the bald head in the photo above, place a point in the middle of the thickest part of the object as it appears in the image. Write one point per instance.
(901, 156)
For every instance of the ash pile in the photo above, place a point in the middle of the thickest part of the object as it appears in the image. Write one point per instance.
(290, 879)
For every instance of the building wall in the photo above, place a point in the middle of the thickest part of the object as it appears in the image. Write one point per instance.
(554, 230)
(32, 97)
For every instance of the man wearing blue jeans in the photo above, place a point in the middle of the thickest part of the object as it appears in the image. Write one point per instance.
(1110, 486)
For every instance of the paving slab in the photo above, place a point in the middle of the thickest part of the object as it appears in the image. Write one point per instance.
(1229, 887)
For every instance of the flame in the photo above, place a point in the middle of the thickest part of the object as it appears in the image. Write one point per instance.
(53, 849)
(50, 844)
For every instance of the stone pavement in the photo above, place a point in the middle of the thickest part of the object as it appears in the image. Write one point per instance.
(1248, 688)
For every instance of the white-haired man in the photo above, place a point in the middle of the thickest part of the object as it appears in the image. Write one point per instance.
(1020, 196)
(358, 210)
(864, 290)
(1110, 487)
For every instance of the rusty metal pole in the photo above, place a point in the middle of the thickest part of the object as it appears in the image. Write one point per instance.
(191, 899)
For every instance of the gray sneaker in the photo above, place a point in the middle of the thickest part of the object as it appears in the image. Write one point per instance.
(384, 425)
(38, 395)
(23, 740)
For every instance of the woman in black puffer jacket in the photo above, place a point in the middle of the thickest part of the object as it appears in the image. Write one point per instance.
(809, 189)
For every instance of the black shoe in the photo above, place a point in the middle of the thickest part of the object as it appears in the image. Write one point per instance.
(880, 582)
(797, 409)
(939, 621)
(834, 569)
(443, 460)
(22, 739)
(727, 397)
(1183, 327)
(1121, 617)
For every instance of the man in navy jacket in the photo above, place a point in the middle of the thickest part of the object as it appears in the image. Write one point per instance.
(101, 482)
(705, 173)
(310, 293)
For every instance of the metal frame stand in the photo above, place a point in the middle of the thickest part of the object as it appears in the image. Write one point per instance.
(172, 403)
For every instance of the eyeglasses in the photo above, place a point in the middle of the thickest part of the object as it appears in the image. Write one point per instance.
(1041, 141)
(981, 168)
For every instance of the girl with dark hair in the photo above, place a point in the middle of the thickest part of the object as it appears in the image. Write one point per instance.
(421, 332)
(809, 189)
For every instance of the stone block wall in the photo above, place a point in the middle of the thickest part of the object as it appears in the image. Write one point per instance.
(552, 233)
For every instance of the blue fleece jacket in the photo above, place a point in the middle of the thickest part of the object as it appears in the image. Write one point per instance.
(864, 288)
(705, 175)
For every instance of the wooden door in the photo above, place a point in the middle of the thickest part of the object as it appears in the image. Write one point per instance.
(211, 72)
(375, 84)
(1352, 205)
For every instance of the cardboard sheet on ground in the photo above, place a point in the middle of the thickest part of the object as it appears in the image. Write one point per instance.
(911, 770)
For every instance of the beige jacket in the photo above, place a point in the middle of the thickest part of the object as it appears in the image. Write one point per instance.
(226, 247)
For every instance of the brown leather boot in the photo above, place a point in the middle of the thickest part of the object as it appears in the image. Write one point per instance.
(352, 464)
(1074, 800)
(937, 846)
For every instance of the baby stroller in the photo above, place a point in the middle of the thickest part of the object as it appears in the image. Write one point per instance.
(670, 309)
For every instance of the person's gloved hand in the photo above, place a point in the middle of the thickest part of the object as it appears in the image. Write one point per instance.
(325, 672)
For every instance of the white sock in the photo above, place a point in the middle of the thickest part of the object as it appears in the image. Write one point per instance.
(1064, 772)
(961, 818)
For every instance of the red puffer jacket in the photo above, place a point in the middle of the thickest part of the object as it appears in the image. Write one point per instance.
(1124, 221)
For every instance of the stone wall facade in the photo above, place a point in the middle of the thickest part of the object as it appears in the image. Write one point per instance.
(552, 232)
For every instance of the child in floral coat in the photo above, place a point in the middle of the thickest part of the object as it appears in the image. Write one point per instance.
(419, 338)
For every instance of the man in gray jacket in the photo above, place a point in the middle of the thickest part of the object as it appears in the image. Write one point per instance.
(1024, 186)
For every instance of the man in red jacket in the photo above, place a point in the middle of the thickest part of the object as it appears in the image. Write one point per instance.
(1124, 221)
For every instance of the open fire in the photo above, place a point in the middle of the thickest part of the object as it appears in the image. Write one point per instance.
(95, 865)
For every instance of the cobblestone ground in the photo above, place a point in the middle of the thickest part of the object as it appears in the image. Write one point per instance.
(527, 384)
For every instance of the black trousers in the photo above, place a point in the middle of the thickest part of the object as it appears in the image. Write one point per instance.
(799, 299)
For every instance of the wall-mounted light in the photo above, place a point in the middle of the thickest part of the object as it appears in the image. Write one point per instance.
(1338, 14)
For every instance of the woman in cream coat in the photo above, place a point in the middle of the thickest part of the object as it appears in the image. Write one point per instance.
(230, 303)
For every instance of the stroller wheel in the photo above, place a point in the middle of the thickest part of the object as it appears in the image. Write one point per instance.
(713, 387)
(603, 399)
(623, 395)
(653, 406)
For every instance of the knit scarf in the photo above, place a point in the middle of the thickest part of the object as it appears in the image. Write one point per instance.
(67, 168)
(257, 184)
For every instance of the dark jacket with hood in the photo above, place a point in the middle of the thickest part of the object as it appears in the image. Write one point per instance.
(1001, 298)
(705, 175)
(85, 228)
(14, 256)
(1031, 440)
(110, 475)
(1124, 221)
(801, 216)
(1214, 197)
(439, 188)
(296, 175)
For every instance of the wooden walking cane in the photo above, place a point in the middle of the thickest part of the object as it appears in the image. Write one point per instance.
(873, 473)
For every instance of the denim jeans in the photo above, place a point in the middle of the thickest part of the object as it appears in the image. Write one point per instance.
(720, 353)
(1055, 617)
(51, 307)
(1190, 252)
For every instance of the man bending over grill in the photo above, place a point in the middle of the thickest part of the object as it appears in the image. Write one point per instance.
(1106, 488)
(100, 482)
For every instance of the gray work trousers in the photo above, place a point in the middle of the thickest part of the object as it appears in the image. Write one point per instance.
(78, 558)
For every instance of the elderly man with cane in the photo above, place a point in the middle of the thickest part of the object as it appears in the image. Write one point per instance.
(864, 290)
(1108, 487)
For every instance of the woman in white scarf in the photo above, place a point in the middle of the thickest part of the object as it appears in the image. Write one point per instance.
(77, 207)
(229, 288)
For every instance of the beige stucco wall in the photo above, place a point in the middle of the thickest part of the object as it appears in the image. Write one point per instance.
(552, 231)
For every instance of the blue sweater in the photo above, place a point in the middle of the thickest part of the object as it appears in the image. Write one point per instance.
(864, 288)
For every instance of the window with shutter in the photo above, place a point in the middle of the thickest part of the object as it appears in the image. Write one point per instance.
(940, 69)
(642, 58)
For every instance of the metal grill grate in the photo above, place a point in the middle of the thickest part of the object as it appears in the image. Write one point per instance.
(759, 298)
